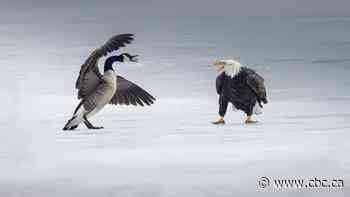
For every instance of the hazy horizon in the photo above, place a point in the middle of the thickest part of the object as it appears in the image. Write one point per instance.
(181, 7)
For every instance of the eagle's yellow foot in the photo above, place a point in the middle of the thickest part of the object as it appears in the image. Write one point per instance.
(249, 120)
(220, 121)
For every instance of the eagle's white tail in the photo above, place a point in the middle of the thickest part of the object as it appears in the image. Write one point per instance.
(257, 109)
(77, 118)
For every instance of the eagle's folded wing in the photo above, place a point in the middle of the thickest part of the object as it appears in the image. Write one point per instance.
(129, 93)
(89, 76)
(256, 83)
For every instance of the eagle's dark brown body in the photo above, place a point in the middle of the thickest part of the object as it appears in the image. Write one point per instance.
(244, 90)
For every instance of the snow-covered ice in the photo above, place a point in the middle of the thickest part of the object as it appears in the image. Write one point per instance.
(170, 149)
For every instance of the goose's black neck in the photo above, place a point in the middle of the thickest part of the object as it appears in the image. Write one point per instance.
(109, 62)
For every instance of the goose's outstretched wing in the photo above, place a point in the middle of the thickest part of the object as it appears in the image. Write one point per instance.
(89, 75)
(129, 93)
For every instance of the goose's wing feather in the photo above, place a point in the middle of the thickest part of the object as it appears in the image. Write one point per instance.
(129, 93)
(93, 99)
(89, 76)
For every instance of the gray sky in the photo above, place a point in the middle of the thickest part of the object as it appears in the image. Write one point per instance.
(186, 7)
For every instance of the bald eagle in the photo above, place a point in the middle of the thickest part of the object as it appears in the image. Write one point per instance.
(241, 86)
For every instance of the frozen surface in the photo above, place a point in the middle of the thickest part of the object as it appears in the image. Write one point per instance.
(171, 149)
(152, 152)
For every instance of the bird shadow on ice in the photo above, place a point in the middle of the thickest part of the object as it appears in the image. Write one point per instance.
(267, 123)
(257, 124)
(229, 124)
(85, 132)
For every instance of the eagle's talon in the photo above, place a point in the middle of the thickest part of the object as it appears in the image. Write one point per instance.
(250, 121)
(218, 122)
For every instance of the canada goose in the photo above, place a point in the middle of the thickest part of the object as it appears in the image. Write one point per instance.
(96, 90)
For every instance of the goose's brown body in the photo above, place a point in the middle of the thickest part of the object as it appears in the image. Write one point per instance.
(102, 95)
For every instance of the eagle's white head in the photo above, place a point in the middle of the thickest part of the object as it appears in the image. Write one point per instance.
(230, 67)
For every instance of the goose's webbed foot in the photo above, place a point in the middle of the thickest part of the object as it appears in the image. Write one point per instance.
(89, 125)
